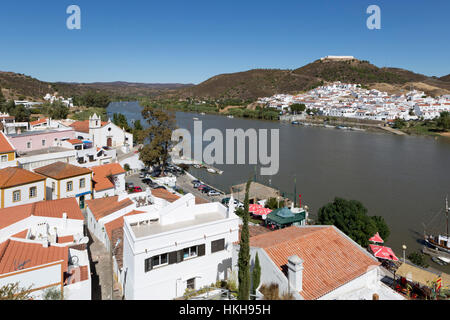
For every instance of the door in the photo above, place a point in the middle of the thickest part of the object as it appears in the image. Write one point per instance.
(109, 142)
(82, 202)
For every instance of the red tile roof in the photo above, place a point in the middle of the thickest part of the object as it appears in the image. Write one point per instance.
(118, 223)
(164, 194)
(74, 141)
(101, 174)
(5, 145)
(62, 170)
(16, 255)
(21, 234)
(33, 123)
(15, 176)
(104, 206)
(83, 126)
(66, 239)
(48, 208)
(330, 258)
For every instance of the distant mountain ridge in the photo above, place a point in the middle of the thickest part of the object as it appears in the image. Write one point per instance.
(16, 85)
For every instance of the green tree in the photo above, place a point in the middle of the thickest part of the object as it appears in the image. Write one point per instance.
(21, 113)
(297, 107)
(443, 122)
(93, 99)
(244, 252)
(272, 203)
(159, 134)
(2, 101)
(121, 121)
(256, 274)
(399, 123)
(138, 132)
(418, 259)
(349, 216)
(381, 226)
(12, 291)
(58, 110)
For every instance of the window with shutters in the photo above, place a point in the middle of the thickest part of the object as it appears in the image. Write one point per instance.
(156, 261)
(217, 245)
(190, 284)
(190, 252)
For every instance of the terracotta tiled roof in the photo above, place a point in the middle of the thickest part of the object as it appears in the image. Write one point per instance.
(15, 176)
(75, 141)
(83, 126)
(21, 234)
(330, 258)
(61, 170)
(164, 194)
(17, 255)
(33, 123)
(48, 208)
(5, 145)
(66, 239)
(118, 223)
(101, 174)
(104, 206)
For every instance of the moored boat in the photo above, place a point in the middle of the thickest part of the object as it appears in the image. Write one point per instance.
(440, 242)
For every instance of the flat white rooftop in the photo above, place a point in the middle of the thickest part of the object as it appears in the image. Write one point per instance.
(142, 229)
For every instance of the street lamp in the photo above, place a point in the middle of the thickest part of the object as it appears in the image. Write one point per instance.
(404, 253)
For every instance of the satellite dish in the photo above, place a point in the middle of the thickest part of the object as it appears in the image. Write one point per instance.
(84, 240)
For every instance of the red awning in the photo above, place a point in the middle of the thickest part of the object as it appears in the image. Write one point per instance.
(254, 207)
(376, 238)
(383, 252)
(262, 212)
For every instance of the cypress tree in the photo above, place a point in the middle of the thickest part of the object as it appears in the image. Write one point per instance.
(244, 253)
(256, 275)
(2, 101)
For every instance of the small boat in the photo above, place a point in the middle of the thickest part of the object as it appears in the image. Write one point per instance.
(230, 116)
(440, 242)
(295, 122)
(197, 166)
(195, 119)
(438, 261)
(202, 113)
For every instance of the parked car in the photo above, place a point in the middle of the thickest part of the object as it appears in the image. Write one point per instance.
(200, 187)
(156, 173)
(197, 184)
(137, 189)
(195, 181)
(147, 180)
(129, 185)
(206, 189)
(142, 175)
(213, 192)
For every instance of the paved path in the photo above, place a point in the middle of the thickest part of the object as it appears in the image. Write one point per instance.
(392, 130)
(101, 271)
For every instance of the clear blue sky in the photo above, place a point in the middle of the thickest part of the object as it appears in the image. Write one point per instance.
(189, 41)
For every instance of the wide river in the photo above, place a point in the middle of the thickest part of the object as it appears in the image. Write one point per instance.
(402, 178)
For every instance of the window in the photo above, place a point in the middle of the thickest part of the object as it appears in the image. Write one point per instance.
(29, 145)
(190, 284)
(82, 183)
(4, 158)
(217, 245)
(69, 186)
(53, 187)
(33, 192)
(43, 142)
(190, 252)
(16, 196)
(156, 261)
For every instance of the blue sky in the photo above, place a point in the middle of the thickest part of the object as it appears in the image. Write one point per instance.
(191, 40)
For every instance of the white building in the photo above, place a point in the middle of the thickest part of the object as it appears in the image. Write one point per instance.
(108, 179)
(103, 134)
(65, 180)
(19, 186)
(316, 263)
(178, 247)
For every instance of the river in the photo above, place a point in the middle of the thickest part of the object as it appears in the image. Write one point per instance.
(402, 178)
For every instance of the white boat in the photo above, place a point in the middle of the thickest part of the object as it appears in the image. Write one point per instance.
(440, 242)
(230, 116)
(202, 113)
(195, 118)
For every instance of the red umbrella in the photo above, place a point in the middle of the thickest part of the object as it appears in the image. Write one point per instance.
(376, 238)
(262, 212)
(383, 252)
(254, 207)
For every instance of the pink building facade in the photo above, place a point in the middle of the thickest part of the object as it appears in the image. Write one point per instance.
(38, 140)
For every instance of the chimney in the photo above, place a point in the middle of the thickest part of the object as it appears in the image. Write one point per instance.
(295, 273)
(45, 243)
